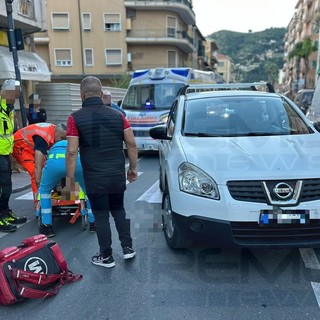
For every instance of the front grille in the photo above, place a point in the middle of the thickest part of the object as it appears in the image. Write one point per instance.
(141, 133)
(310, 190)
(253, 191)
(249, 191)
(250, 233)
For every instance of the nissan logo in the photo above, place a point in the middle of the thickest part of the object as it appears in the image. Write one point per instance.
(283, 190)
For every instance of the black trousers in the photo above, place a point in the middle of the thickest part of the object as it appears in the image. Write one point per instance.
(5, 183)
(102, 204)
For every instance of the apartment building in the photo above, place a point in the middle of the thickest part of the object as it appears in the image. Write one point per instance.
(108, 39)
(303, 25)
(28, 17)
(23, 18)
(225, 67)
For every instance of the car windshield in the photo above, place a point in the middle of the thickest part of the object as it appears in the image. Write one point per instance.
(151, 96)
(242, 116)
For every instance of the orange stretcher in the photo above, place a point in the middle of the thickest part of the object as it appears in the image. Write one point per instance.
(72, 207)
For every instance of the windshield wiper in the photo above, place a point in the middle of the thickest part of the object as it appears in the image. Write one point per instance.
(202, 134)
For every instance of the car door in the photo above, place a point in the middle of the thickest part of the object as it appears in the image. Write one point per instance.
(165, 145)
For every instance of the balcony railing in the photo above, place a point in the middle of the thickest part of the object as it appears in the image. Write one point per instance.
(179, 39)
(159, 33)
(181, 7)
(186, 2)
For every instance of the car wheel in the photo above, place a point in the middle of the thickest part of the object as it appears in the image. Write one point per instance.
(173, 235)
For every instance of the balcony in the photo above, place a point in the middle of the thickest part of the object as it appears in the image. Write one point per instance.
(179, 39)
(182, 7)
(28, 15)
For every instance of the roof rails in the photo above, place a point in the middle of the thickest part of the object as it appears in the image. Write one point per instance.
(253, 86)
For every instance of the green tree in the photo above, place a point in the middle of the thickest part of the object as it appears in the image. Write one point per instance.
(123, 82)
(302, 50)
(271, 69)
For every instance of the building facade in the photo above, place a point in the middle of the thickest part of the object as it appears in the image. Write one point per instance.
(298, 72)
(109, 39)
(19, 20)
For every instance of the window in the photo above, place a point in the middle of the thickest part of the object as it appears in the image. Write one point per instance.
(86, 21)
(88, 57)
(63, 57)
(60, 21)
(172, 59)
(113, 57)
(26, 8)
(112, 22)
(221, 64)
(172, 27)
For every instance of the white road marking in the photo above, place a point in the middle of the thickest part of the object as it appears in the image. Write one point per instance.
(29, 195)
(309, 258)
(311, 261)
(316, 289)
(26, 196)
(152, 195)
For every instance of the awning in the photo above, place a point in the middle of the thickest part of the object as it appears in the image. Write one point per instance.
(31, 66)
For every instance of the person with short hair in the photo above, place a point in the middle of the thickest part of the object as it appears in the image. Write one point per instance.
(100, 131)
(31, 145)
(107, 100)
(35, 113)
(10, 91)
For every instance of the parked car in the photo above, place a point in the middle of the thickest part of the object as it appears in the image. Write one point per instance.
(303, 99)
(238, 167)
(313, 112)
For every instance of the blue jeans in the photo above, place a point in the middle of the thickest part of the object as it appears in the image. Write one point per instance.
(53, 171)
(101, 204)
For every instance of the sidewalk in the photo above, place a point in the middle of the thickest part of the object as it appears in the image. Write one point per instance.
(20, 181)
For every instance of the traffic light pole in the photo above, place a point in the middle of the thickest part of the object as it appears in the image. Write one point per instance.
(13, 48)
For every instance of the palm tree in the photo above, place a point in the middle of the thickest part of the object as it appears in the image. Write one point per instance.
(302, 50)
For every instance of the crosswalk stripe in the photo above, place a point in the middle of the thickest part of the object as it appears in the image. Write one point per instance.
(29, 195)
(152, 195)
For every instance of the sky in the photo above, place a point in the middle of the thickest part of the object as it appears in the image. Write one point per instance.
(242, 15)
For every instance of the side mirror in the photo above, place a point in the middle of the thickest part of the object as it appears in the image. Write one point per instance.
(159, 132)
(317, 125)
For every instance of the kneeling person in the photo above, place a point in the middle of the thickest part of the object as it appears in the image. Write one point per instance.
(53, 171)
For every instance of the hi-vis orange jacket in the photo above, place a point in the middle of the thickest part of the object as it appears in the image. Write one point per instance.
(23, 137)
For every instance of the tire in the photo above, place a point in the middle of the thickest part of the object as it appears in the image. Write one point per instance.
(173, 236)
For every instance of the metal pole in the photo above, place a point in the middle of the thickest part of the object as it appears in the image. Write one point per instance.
(13, 47)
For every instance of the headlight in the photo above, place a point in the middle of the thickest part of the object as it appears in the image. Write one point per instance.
(195, 181)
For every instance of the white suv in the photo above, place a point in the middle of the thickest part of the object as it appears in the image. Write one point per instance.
(239, 166)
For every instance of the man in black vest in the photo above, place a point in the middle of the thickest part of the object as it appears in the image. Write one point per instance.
(99, 131)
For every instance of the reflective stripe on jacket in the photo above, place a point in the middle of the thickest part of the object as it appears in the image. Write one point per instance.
(24, 136)
(6, 128)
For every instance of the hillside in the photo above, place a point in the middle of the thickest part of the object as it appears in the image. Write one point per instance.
(256, 55)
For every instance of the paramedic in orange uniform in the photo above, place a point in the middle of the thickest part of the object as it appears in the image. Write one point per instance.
(31, 144)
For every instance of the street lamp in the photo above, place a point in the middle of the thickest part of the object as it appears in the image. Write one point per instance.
(13, 49)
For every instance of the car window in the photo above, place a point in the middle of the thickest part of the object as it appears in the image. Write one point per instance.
(242, 115)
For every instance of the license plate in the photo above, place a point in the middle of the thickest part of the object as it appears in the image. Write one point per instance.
(276, 217)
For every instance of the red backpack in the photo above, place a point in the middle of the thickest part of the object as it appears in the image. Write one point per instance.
(35, 269)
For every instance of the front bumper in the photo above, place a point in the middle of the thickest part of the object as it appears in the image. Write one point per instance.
(247, 234)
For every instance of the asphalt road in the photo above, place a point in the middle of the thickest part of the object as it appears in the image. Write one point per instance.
(198, 283)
